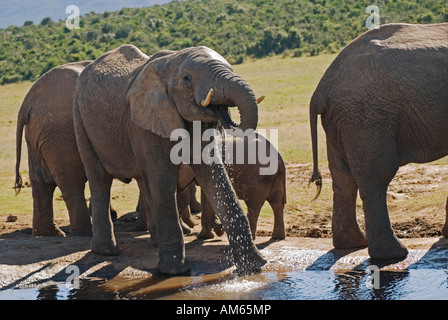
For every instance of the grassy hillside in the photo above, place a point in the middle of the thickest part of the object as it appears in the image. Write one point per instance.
(237, 29)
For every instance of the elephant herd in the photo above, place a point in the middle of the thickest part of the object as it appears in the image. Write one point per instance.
(383, 103)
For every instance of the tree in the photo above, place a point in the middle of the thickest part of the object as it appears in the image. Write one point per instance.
(46, 21)
(272, 41)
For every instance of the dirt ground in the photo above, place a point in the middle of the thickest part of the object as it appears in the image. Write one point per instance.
(416, 201)
(24, 259)
(409, 217)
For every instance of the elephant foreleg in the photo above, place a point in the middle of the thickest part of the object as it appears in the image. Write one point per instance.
(167, 223)
(158, 186)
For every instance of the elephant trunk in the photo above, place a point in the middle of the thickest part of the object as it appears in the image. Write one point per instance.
(233, 91)
(242, 96)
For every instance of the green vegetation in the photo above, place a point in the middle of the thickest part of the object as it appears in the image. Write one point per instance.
(237, 29)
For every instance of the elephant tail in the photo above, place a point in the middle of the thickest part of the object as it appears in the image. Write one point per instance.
(316, 176)
(283, 180)
(22, 120)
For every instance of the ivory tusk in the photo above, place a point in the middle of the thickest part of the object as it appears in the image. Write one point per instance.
(207, 100)
(259, 100)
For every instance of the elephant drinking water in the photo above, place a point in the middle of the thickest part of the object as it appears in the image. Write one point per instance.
(125, 109)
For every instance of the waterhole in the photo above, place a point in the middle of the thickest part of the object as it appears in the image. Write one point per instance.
(291, 274)
(293, 285)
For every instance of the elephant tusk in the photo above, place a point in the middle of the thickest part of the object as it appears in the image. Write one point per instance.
(207, 100)
(259, 100)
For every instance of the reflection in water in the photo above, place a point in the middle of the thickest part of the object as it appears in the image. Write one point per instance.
(293, 285)
(291, 274)
(425, 284)
(88, 290)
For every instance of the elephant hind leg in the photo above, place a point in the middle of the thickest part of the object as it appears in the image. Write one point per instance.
(43, 215)
(382, 242)
(73, 195)
(183, 202)
(209, 221)
(253, 212)
(345, 228)
(278, 206)
(195, 206)
(373, 179)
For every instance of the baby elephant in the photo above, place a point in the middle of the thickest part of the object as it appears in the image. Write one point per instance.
(252, 184)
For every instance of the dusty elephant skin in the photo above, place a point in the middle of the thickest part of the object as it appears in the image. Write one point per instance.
(53, 157)
(383, 104)
(144, 100)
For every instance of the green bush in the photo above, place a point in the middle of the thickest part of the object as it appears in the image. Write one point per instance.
(236, 29)
(46, 21)
(11, 79)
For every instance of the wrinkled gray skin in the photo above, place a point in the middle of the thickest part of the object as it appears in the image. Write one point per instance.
(144, 101)
(383, 104)
(250, 186)
(186, 205)
(53, 157)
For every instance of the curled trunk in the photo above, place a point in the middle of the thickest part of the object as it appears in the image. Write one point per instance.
(230, 90)
(242, 96)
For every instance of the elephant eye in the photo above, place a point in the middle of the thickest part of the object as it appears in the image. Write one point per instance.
(187, 78)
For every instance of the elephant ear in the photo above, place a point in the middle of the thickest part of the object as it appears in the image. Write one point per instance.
(151, 107)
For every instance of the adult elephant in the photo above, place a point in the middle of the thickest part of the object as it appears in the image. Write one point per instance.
(383, 103)
(125, 109)
(53, 157)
